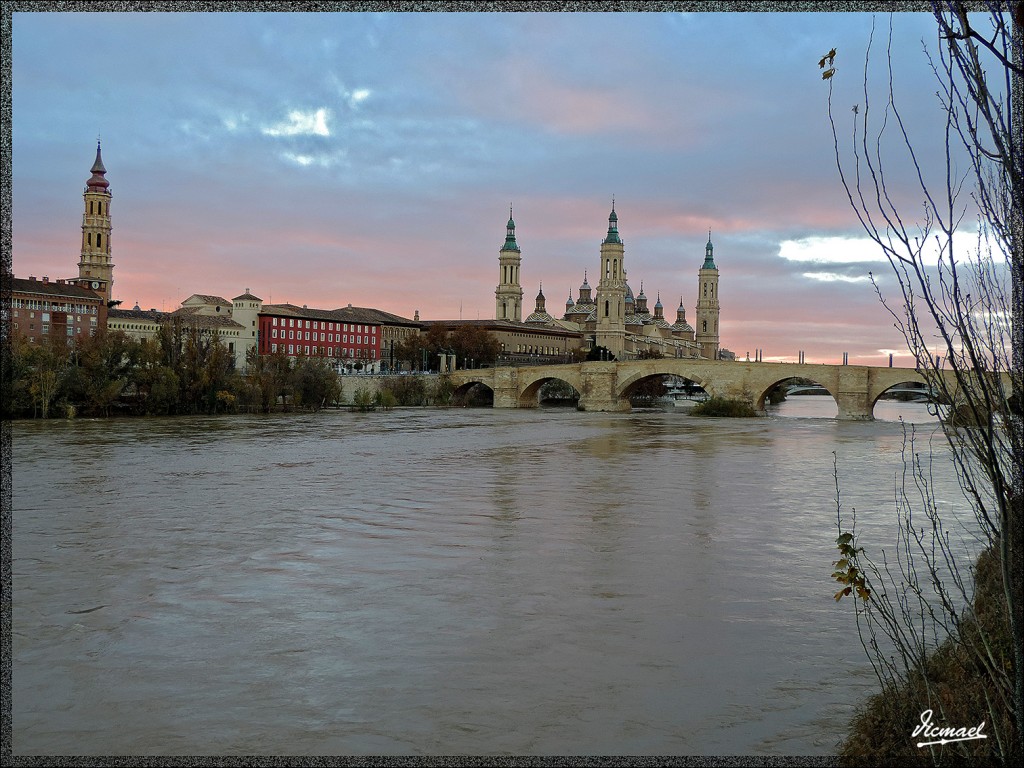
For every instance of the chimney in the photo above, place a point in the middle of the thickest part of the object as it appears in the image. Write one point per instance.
(45, 280)
(32, 277)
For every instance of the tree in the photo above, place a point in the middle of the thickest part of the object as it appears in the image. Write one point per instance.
(156, 382)
(204, 370)
(962, 322)
(315, 383)
(407, 390)
(468, 342)
(104, 365)
(17, 399)
(473, 345)
(47, 366)
(269, 374)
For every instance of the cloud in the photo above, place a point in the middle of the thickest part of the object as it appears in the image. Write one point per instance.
(861, 250)
(318, 159)
(831, 277)
(830, 250)
(302, 124)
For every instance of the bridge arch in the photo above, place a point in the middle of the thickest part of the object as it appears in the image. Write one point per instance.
(766, 391)
(529, 387)
(529, 392)
(909, 388)
(473, 392)
(641, 389)
(627, 385)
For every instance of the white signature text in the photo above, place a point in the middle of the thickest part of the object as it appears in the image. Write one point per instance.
(945, 735)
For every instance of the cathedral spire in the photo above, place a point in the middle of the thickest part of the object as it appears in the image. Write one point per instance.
(613, 226)
(97, 181)
(709, 256)
(510, 233)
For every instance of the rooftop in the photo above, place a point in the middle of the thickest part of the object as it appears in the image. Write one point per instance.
(46, 287)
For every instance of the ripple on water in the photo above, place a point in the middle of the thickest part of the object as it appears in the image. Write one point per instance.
(419, 581)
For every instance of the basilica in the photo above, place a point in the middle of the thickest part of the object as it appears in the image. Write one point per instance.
(613, 317)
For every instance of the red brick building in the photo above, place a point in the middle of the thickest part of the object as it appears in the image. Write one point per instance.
(42, 309)
(301, 331)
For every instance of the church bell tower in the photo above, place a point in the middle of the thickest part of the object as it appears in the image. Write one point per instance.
(611, 291)
(95, 268)
(508, 296)
(707, 305)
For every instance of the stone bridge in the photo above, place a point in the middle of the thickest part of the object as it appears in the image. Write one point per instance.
(605, 386)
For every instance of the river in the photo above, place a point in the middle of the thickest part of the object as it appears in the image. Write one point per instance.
(426, 582)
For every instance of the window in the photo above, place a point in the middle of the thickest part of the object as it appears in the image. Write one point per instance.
(273, 333)
(291, 349)
(273, 347)
(275, 321)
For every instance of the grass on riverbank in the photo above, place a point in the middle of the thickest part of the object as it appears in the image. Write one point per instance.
(950, 683)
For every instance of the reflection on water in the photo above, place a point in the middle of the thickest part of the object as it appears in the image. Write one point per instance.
(438, 582)
(824, 407)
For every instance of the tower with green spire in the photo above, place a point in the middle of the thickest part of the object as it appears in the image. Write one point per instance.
(508, 296)
(611, 291)
(707, 304)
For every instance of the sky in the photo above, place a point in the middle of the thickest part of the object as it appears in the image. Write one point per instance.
(371, 159)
